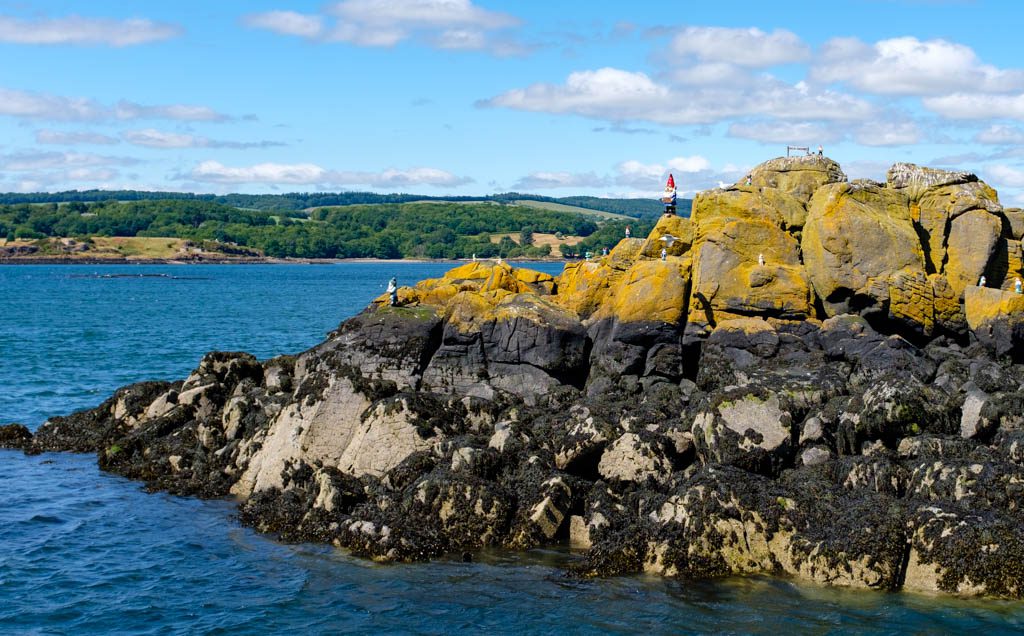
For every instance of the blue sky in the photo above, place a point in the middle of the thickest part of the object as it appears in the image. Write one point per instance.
(481, 96)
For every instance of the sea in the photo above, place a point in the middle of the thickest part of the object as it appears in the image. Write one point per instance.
(85, 552)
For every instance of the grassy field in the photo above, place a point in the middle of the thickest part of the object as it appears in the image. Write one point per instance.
(526, 203)
(540, 239)
(136, 247)
(561, 207)
(119, 248)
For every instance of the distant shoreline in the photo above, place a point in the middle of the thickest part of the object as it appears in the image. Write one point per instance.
(255, 261)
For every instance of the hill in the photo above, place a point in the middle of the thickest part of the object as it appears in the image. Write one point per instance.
(298, 201)
(380, 230)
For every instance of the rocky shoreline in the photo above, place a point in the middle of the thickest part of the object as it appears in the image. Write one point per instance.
(809, 383)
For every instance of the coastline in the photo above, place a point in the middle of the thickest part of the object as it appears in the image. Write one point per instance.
(251, 261)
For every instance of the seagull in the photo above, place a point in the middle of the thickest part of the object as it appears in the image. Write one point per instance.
(669, 239)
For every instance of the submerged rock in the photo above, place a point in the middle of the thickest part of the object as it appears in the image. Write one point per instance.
(808, 383)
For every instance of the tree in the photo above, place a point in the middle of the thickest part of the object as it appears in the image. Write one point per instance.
(526, 236)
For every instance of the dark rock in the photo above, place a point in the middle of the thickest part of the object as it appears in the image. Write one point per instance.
(15, 436)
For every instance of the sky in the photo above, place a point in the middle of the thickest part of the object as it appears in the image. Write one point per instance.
(471, 97)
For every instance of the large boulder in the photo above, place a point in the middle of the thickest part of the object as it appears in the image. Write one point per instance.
(745, 427)
(713, 209)
(729, 279)
(856, 239)
(521, 343)
(797, 176)
(996, 318)
(636, 330)
(583, 285)
(971, 247)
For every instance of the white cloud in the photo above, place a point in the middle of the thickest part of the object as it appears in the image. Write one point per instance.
(312, 174)
(90, 174)
(1000, 134)
(694, 163)
(617, 95)
(23, 104)
(440, 14)
(743, 47)
(287, 23)
(977, 106)
(712, 74)
(549, 180)
(79, 30)
(66, 138)
(1007, 176)
(888, 133)
(780, 132)
(179, 112)
(908, 66)
(33, 161)
(649, 176)
(152, 138)
(445, 24)
(42, 106)
(217, 172)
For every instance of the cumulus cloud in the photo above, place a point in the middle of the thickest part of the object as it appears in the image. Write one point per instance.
(73, 138)
(312, 174)
(742, 47)
(977, 106)
(152, 138)
(617, 95)
(445, 24)
(28, 105)
(908, 66)
(550, 180)
(1007, 176)
(1000, 134)
(88, 31)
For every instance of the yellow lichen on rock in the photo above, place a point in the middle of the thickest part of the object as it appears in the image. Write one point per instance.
(970, 246)
(937, 207)
(677, 232)
(583, 285)
(649, 291)
(714, 208)
(912, 299)
(947, 310)
(855, 238)
(470, 271)
(797, 176)
(624, 254)
(985, 305)
(729, 279)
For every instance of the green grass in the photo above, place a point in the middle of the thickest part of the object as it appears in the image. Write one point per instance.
(561, 207)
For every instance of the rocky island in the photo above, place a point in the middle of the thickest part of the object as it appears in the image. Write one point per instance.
(820, 378)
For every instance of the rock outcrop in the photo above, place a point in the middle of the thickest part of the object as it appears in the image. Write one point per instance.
(806, 382)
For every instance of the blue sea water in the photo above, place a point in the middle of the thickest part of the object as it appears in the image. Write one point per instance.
(84, 552)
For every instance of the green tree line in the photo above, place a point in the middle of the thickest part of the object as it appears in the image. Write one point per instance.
(296, 201)
(427, 230)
